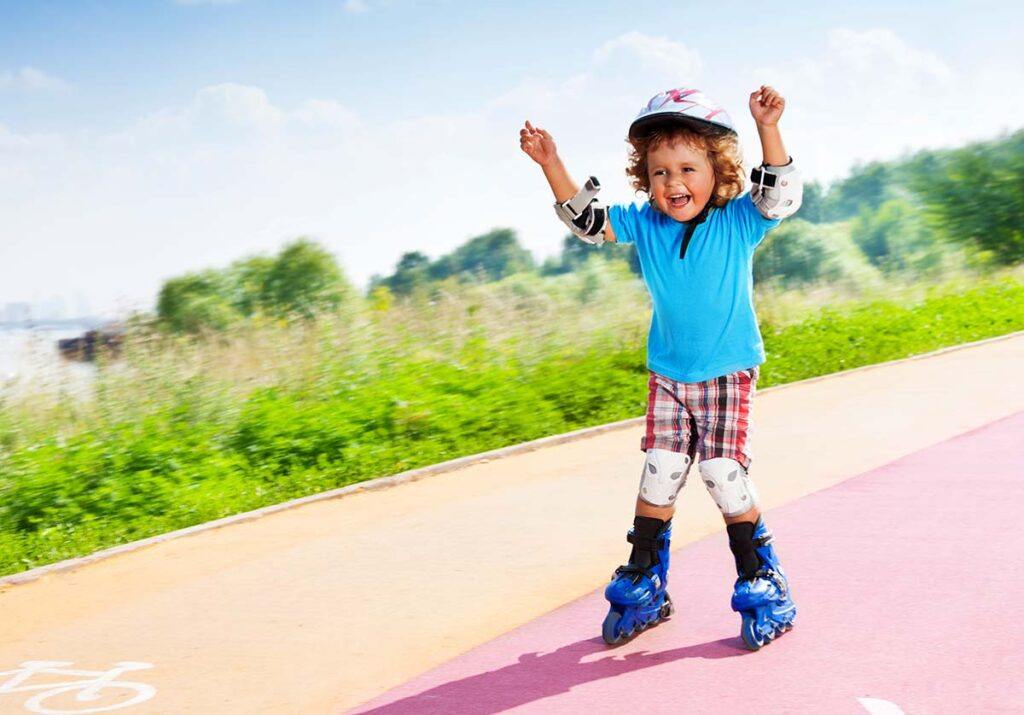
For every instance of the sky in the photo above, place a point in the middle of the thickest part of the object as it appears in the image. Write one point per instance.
(143, 139)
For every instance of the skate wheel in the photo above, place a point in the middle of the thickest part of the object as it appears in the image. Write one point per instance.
(748, 632)
(610, 628)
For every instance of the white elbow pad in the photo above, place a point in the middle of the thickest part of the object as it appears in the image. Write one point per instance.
(777, 190)
(584, 214)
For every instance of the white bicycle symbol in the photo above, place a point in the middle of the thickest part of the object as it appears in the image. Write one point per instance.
(97, 680)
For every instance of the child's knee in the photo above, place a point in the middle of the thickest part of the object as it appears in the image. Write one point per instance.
(664, 475)
(729, 485)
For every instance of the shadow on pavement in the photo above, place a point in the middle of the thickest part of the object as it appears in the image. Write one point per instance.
(534, 677)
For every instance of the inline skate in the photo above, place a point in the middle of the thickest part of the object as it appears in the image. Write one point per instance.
(637, 592)
(761, 595)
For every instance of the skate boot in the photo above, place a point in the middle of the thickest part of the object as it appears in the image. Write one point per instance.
(637, 590)
(761, 595)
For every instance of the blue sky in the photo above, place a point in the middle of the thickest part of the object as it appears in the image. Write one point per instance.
(142, 139)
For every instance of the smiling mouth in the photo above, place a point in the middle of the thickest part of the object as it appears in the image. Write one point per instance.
(678, 201)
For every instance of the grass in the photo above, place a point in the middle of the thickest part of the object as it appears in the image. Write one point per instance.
(185, 431)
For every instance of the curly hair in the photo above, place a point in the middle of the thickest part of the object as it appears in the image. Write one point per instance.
(722, 149)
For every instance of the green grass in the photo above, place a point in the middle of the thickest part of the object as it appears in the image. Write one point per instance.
(166, 444)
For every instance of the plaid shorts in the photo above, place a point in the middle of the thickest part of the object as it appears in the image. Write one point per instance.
(710, 417)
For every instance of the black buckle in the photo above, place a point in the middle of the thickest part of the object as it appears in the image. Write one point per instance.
(763, 178)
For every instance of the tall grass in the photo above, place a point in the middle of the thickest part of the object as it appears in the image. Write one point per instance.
(184, 430)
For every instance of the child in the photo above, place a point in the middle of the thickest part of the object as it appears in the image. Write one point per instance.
(695, 239)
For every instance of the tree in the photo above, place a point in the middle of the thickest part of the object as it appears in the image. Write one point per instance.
(812, 204)
(410, 272)
(867, 186)
(793, 253)
(975, 195)
(195, 302)
(493, 256)
(304, 280)
(894, 238)
(247, 279)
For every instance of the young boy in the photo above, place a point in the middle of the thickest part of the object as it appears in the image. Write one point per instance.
(695, 239)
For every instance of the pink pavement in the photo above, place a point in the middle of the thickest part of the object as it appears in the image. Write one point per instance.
(906, 580)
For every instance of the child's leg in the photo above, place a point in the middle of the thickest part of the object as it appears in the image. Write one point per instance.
(670, 444)
(721, 411)
(637, 593)
(721, 408)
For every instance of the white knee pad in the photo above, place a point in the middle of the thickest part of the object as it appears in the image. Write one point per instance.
(664, 475)
(729, 485)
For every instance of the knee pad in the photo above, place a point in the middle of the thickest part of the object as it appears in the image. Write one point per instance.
(729, 485)
(664, 475)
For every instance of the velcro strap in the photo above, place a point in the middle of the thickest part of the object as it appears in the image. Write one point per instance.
(578, 203)
(645, 542)
(635, 572)
(763, 178)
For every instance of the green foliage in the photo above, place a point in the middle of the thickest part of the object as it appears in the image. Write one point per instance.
(199, 454)
(196, 302)
(884, 330)
(490, 257)
(792, 253)
(866, 187)
(303, 280)
(812, 206)
(575, 254)
(247, 281)
(975, 194)
(895, 238)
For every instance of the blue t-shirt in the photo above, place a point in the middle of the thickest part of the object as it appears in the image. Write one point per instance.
(703, 324)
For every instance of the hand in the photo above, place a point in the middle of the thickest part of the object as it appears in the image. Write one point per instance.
(537, 144)
(766, 106)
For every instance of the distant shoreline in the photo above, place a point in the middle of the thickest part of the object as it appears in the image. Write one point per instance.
(86, 323)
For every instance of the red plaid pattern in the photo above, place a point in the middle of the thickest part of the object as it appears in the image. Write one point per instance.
(710, 417)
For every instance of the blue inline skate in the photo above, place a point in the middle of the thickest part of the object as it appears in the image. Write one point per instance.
(637, 591)
(761, 595)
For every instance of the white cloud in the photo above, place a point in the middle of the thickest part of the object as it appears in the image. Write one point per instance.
(882, 51)
(356, 6)
(325, 113)
(872, 96)
(232, 171)
(655, 54)
(11, 142)
(32, 80)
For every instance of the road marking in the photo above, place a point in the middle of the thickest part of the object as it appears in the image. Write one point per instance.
(877, 706)
(90, 688)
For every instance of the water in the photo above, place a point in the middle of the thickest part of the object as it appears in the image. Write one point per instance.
(30, 362)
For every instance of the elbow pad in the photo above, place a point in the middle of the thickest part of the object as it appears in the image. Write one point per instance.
(777, 190)
(584, 214)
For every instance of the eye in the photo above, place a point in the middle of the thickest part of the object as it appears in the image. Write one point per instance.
(659, 172)
(688, 168)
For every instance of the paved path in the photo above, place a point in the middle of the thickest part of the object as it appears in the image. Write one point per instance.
(325, 606)
(906, 578)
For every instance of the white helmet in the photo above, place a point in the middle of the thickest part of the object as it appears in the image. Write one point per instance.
(684, 105)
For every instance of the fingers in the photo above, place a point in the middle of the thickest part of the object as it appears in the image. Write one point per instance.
(769, 96)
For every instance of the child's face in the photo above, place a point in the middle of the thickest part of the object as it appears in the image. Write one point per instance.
(681, 177)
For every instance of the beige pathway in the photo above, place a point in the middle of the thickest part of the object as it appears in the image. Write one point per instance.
(325, 605)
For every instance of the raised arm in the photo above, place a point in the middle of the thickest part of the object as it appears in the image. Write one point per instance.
(539, 146)
(766, 106)
(778, 189)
